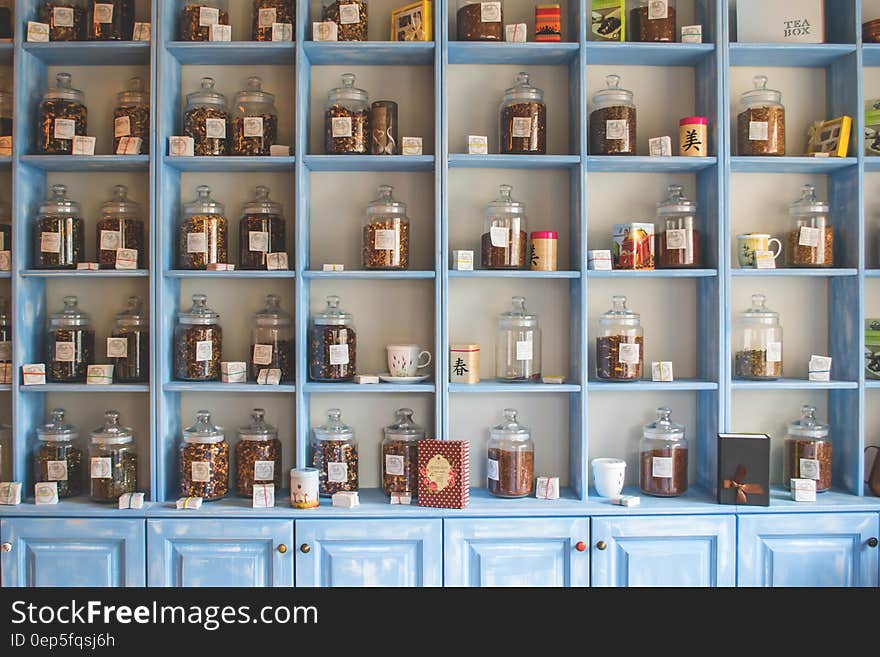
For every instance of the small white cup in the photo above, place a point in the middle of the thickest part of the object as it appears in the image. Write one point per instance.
(608, 476)
(403, 359)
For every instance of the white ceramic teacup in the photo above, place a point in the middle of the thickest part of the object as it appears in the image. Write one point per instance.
(608, 476)
(403, 359)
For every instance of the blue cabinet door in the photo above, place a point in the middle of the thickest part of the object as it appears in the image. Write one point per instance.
(369, 552)
(517, 552)
(664, 551)
(72, 552)
(223, 552)
(808, 549)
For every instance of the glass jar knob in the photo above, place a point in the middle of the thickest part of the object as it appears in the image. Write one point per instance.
(504, 192)
(203, 192)
(522, 79)
(760, 82)
(70, 303)
(207, 84)
(348, 80)
(258, 415)
(333, 302)
(519, 305)
(199, 301)
(759, 301)
(510, 415)
(261, 193)
(254, 83)
(112, 418)
(612, 81)
(618, 303)
(63, 80)
(273, 302)
(57, 415)
(59, 192)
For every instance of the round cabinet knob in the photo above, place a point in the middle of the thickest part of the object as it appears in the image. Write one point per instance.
(872, 542)
(580, 546)
(601, 545)
(305, 548)
(6, 548)
(282, 548)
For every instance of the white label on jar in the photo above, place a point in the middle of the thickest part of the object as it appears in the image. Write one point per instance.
(267, 17)
(658, 9)
(339, 354)
(349, 14)
(65, 128)
(676, 238)
(65, 352)
(492, 469)
(62, 16)
(522, 126)
(117, 347)
(524, 350)
(50, 242)
(809, 469)
(661, 467)
(490, 12)
(341, 126)
(196, 243)
(616, 129)
(5, 351)
(56, 470)
(262, 354)
(774, 352)
(204, 350)
(201, 471)
(103, 12)
(337, 473)
(258, 240)
(499, 236)
(385, 240)
(215, 128)
(809, 236)
(110, 240)
(759, 131)
(122, 126)
(253, 126)
(208, 16)
(394, 465)
(264, 470)
(102, 467)
(628, 352)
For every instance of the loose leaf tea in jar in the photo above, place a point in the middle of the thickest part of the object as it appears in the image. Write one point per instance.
(204, 119)
(202, 237)
(5, 332)
(400, 459)
(620, 345)
(332, 344)
(112, 460)
(254, 120)
(131, 117)
(678, 246)
(66, 20)
(523, 119)
(613, 120)
(510, 466)
(504, 243)
(257, 455)
(518, 346)
(262, 231)
(128, 347)
(269, 12)
(663, 457)
(335, 455)
(386, 233)
(196, 20)
(760, 124)
(810, 241)
(58, 458)
(653, 20)
(5, 227)
(480, 21)
(350, 17)
(347, 119)
(757, 342)
(807, 452)
(198, 343)
(7, 112)
(272, 340)
(203, 460)
(111, 20)
(61, 117)
(59, 234)
(70, 344)
(121, 233)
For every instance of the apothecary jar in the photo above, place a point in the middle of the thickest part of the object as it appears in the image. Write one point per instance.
(113, 460)
(332, 344)
(257, 455)
(518, 346)
(504, 243)
(663, 457)
(613, 120)
(760, 124)
(523, 119)
(620, 344)
(204, 460)
(272, 340)
(386, 232)
(400, 463)
(58, 458)
(335, 455)
(510, 466)
(810, 239)
(757, 342)
(347, 119)
(807, 452)
(198, 342)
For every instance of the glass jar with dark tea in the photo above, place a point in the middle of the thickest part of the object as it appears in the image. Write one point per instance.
(679, 238)
(198, 342)
(257, 455)
(262, 230)
(204, 119)
(121, 239)
(523, 123)
(196, 19)
(504, 243)
(128, 347)
(620, 345)
(760, 124)
(5, 227)
(480, 21)
(70, 344)
(663, 457)
(62, 115)
(335, 455)
(111, 20)
(59, 236)
(66, 19)
(6, 112)
(272, 340)
(203, 460)
(518, 345)
(810, 240)
(757, 342)
(347, 119)
(807, 451)
(5, 332)
(6, 452)
(510, 466)
(653, 20)
(202, 236)
(254, 120)
(332, 344)
(386, 232)
(131, 116)
(112, 460)
(269, 12)
(58, 458)
(350, 17)
(400, 459)
(613, 120)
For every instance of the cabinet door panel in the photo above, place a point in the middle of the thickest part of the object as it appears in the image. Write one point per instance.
(368, 552)
(516, 552)
(220, 552)
(73, 552)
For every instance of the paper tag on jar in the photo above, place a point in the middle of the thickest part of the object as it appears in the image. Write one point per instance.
(394, 465)
(499, 236)
(628, 352)
(65, 352)
(258, 240)
(221, 33)
(262, 354)
(661, 467)
(204, 350)
(208, 16)
(142, 32)
(201, 471)
(62, 16)
(809, 236)
(490, 12)
(524, 349)
(349, 14)
(660, 147)
(264, 470)
(341, 126)
(276, 261)
(117, 347)
(676, 238)
(253, 126)
(101, 467)
(325, 31)
(809, 468)
(110, 240)
(411, 145)
(339, 354)
(56, 470)
(385, 240)
(522, 126)
(658, 9)
(337, 473)
(492, 469)
(774, 352)
(50, 242)
(215, 128)
(103, 12)
(83, 145)
(615, 129)
(37, 32)
(196, 243)
(264, 496)
(267, 17)
(126, 258)
(282, 32)
(759, 131)
(46, 492)
(64, 129)
(122, 126)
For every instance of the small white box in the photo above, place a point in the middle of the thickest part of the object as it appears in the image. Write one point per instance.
(792, 21)
(33, 374)
(599, 260)
(478, 145)
(400, 498)
(660, 147)
(346, 499)
(661, 371)
(553, 380)
(131, 501)
(276, 262)
(10, 493)
(516, 32)
(463, 260)
(5, 260)
(627, 500)
(189, 503)
(279, 150)
(88, 266)
(99, 375)
(803, 490)
(366, 378)
(221, 32)
(692, 34)
(819, 368)
(411, 145)
(126, 258)
(765, 260)
(264, 496)
(181, 146)
(269, 377)
(547, 488)
(233, 372)
(334, 267)
(325, 31)
(37, 32)
(46, 492)
(220, 266)
(129, 146)
(142, 32)
(83, 145)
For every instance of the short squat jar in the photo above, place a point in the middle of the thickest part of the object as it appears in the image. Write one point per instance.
(254, 120)
(131, 116)
(204, 460)
(518, 347)
(198, 342)
(400, 459)
(128, 347)
(663, 457)
(257, 455)
(480, 21)
(121, 238)
(504, 242)
(202, 234)
(347, 119)
(70, 344)
(332, 344)
(261, 231)
(510, 464)
(204, 119)
(757, 342)
(112, 460)
(196, 19)
(807, 452)
(613, 120)
(58, 458)
(61, 117)
(272, 340)
(523, 120)
(679, 238)
(335, 455)
(620, 345)
(653, 20)
(760, 124)
(59, 236)
(810, 239)
(386, 232)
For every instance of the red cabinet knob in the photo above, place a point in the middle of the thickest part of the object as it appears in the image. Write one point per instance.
(580, 546)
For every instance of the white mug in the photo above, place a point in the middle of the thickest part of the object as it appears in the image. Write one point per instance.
(608, 476)
(403, 359)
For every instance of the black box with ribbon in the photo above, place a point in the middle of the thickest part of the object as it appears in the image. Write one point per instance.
(744, 469)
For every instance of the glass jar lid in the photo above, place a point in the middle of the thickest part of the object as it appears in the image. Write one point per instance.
(807, 426)
(63, 90)
(203, 431)
(333, 315)
(206, 95)
(612, 94)
(522, 90)
(203, 204)
(404, 428)
(261, 203)
(664, 428)
(385, 204)
(518, 315)
(272, 315)
(70, 315)
(505, 204)
(335, 429)
(136, 94)
(619, 313)
(112, 433)
(761, 94)
(759, 309)
(57, 430)
(347, 91)
(254, 93)
(258, 429)
(808, 204)
(199, 313)
(676, 203)
(133, 315)
(120, 203)
(58, 203)
(510, 427)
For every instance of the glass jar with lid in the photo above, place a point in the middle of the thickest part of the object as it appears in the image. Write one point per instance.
(807, 453)
(6, 111)
(70, 344)
(272, 340)
(61, 117)
(204, 119)
(131, 116)
(386, 232)
(121, 238)
(760, 124)
(679, 239)
(332, 344)
(66, 19)
(196, 19)
(757, 342)
(335, 455)
(5, 334)
(523, 126)
(653, 20)
(204, 460)
(112, 460)
(254, 120)
(663, 457)
(198, 342)
(480, 21)
(350, 17)
(510, 468)
(269, 12)
(128, 347)
(58, 458)
(257, 455)
(262, 230)
(504, 243)
(620, 345)
(518, 349)
(613, 120)
(202, 236)
(111, 20)
(347, 119)
(810, 241)
(59, 236)
(400, 459)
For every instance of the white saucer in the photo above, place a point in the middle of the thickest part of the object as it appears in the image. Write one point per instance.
(387, 378)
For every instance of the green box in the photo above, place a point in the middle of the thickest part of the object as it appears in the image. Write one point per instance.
(608, 21)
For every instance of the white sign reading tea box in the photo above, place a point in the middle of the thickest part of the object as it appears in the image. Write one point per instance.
(792, 21)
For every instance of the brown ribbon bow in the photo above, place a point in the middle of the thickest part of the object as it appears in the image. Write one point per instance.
(742, 489)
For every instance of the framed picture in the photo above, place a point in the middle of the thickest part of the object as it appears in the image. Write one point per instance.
(412, 22)
(830, 138)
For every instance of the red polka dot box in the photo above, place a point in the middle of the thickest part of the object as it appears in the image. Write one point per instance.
(444, 473)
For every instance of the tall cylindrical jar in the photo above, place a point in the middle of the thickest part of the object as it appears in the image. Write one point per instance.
(131, 116)
(613, 120)
(757, 342)
(332, 344)
(70, 344)
(504, 241)
(518, 346)
(523, 119)
(350, 17)
(510, 464)
(111, 20)
(62, 115)
(679, 239)
(760, 124)
(347, 119)
(204, 119)
(121, 239)
(254, 120)
(66, 19)
(620, 345)
(112, 460)
(257, 455)
(198, 342)
(663, 456)
(196, 19)
(204, 460)
(544, 250)
(58, 458)
(386, 232)
(59, 236)
(808, 450)
(480, 21)
(262, 230)
(272, 340)
(653, 20)
(269, 12)
(693, 136)
(128, 347)
(335, 455)
(202, 234)
(810, 240)
(400, 459)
